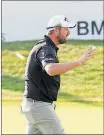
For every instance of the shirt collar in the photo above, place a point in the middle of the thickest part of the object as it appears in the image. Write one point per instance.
(51, 43)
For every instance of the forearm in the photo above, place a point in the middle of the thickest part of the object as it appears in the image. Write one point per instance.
(59, 68)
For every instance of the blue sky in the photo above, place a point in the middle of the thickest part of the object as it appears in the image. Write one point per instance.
(27, 20)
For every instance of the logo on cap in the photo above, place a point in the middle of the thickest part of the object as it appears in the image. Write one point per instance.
(65, 19)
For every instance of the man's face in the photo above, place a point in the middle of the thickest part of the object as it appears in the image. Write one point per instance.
(62, 34)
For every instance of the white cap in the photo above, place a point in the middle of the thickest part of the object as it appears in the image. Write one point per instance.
(59, 20)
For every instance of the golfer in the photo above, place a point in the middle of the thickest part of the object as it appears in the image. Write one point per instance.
(42, 78)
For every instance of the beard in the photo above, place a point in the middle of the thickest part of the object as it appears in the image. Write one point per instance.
(60, 40)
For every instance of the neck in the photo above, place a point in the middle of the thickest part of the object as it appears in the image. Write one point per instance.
(54, 39)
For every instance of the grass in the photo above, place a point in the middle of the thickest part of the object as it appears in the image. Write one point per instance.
(27, 45)
(81, 84)
(75, 118)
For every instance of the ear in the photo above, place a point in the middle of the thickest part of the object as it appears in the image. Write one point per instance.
(56, 31)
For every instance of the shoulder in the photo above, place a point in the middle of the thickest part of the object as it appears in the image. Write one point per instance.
(41, 43)
(43, 46)
(47, 49)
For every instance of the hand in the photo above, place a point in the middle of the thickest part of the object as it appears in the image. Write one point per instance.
(87, 55)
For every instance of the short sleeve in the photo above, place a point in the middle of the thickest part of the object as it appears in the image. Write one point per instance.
(46, 55)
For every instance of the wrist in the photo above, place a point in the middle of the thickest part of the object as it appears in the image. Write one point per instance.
(79, 62)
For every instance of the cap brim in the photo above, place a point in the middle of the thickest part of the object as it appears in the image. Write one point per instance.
(67, 25)
(71, 25)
